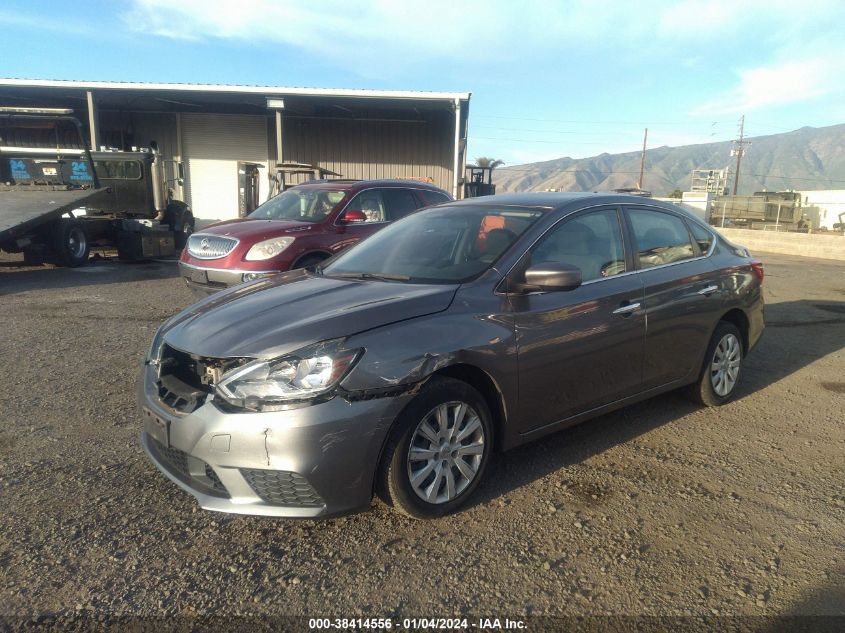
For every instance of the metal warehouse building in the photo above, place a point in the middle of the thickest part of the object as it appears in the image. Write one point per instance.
(209, 134)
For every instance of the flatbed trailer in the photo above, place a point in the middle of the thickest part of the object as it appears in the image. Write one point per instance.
(59, 199)
(22, 211)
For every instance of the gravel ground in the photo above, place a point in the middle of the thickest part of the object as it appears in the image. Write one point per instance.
(659, 509)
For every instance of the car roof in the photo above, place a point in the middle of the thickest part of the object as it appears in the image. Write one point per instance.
(348, 183)
(555, 200)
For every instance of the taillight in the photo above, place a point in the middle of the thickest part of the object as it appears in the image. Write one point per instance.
(757, 269)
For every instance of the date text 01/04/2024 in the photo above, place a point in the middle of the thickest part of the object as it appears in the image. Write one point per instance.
(446, 624)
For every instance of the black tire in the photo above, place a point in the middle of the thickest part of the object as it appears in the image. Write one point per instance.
(309, 261)
(181, 221)
(181, 237)
(704, 391)
(35, 255)
(71, 244)
(394, 475)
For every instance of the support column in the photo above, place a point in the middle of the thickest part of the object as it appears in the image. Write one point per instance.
(275, 176)
(93, 121)
(278, 136)
(457, 158)
(178, 165)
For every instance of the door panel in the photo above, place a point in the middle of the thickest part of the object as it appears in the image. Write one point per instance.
(679, 319)
(575, 354)
(682, 295)
(582, 348)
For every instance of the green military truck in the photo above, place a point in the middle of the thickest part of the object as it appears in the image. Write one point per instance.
(782, 208)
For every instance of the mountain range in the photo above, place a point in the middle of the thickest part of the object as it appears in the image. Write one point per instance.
(807, 158)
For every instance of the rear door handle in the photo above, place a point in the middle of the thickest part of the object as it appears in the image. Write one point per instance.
(627, 309)
(709, 290)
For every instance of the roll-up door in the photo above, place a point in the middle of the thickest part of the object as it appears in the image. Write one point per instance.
(212, 145)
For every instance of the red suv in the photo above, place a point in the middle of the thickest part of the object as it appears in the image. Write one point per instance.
(298, 228)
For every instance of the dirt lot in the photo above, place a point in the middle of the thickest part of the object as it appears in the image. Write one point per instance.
(663, 508)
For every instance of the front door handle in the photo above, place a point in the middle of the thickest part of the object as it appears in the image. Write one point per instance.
(627, 309)
(709, 290)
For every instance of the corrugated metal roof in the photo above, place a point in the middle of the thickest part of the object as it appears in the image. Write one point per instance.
(235, 89)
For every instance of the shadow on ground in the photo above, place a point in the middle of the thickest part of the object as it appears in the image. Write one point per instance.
(15, 277)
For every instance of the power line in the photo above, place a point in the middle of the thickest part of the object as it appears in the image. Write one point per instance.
(556, 131)
(532, 140)
(520, 118)
(591, 171)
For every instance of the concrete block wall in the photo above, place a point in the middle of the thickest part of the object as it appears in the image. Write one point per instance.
(801, 244)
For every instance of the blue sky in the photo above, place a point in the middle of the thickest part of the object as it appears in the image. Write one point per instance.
(548, 79)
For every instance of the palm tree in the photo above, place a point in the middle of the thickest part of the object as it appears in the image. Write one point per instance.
(490, 163)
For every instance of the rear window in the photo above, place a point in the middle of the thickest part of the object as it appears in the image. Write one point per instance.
(661, 238)
(702, 236)
(432, 197)
(399, 202)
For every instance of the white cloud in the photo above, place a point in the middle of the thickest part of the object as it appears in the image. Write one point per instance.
(780, 84)
(379, 35)
(367, 37)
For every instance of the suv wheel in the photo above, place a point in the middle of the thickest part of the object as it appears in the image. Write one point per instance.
(438, 450)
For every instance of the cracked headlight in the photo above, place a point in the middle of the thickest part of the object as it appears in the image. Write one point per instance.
(303, 375)
(268, 248)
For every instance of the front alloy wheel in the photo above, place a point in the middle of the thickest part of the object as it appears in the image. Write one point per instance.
(446, 451)
(437, 450)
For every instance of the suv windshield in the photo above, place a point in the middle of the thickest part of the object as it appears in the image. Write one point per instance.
(440, 245)
(303, 205)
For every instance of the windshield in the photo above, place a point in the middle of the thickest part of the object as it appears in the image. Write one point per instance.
(303, 205)
(439, 245)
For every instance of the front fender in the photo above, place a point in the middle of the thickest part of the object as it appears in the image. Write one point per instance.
(402, 355)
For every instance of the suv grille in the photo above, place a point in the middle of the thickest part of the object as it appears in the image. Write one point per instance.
(210, 246)
(191, 470)
(282, 488)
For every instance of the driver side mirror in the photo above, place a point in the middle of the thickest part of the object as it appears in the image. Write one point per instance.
(551, 276)
(352, 216)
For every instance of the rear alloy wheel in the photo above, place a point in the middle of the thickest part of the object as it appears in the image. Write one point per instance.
(70, 243)
(438, 450)
(722, 367)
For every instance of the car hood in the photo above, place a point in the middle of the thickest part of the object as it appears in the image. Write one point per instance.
(272, 317)
(247, 230)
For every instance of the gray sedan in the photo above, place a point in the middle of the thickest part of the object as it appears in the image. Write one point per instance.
(401, 365)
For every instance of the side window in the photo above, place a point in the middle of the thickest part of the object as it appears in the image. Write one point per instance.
(661, 238)
(592, 242)
(398, 203)
(702, 236)
(371, 203)
(432, 197)
(118, 169)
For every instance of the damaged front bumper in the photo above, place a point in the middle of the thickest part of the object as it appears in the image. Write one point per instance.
(309, 461)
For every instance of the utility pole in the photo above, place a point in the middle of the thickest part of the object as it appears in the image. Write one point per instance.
(739, 151)
(642, 162)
